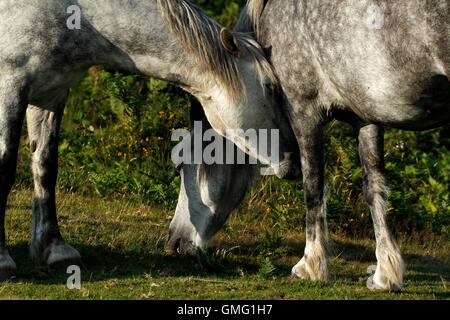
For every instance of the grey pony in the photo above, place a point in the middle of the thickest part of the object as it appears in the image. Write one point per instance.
(42, 56)
(368, 63)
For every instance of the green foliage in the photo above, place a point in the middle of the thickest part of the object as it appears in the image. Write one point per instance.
(115, 142)
(267, 268)
(225, 11)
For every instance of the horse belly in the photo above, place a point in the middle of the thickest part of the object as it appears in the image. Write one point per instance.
(431, 109)
(52, 84)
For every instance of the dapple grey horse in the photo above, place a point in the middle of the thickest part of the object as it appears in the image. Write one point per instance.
(369, 63)
(46, 46)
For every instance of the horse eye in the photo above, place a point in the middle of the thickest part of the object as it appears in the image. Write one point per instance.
(270, 87)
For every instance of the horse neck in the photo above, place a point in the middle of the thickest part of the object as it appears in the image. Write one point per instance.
(133, 38)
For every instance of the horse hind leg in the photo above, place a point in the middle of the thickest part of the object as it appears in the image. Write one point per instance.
(12, 110)
(47, 245)
(389, 273)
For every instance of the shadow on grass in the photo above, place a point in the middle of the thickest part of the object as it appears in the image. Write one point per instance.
(352, 252)
(423, 268)
(103, 263)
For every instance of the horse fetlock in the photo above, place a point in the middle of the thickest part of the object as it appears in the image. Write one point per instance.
(57, 254)
(7, 266)
(311, 268)
(389, 273)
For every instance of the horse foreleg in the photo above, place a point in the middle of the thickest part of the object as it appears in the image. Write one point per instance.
(315, 263)
(389, 272)
(47, 245)
(12, 110)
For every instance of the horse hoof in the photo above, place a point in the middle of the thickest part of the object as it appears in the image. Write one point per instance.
(57, 255)
(313, 268)
(63, 255)
(299, 272)
(372, 284)
(7, 266)
(7, 274)
(387, 275)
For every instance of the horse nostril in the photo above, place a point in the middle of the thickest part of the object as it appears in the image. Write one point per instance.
(172, 244)
(289, 168)
(187, 247)
(177, 246)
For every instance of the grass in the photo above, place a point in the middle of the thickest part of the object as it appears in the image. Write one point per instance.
(122, 247)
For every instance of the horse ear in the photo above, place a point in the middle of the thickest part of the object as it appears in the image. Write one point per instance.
(229, 41)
